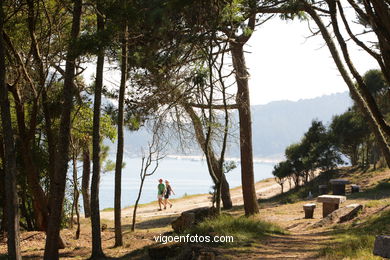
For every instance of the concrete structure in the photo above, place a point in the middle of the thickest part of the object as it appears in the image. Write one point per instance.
(330, 203)
(382, 246)
(309, 210)
(338, 186)
(355, 188)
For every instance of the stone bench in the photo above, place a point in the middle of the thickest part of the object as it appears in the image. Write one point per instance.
(338, 186)
(330, 203)
(309, 210)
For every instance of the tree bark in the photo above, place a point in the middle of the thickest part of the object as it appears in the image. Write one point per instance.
(225, 194)
(97, 250)
(10, 170)
(40, 203)
(246, 151)
(3, 224)
(119, 152)
(85, 181)
(57, 187)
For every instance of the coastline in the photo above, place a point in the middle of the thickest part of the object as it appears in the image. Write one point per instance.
(235, 159)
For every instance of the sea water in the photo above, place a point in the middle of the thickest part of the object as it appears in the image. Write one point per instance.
(186, 177)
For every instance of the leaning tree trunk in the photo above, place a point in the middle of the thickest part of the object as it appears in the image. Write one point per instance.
(372, 108)
(10, 170)
(57, 187)
(119, 152)
(85, 181)
(364, 102)
(201, 139)
(97, 250)
(246, 151)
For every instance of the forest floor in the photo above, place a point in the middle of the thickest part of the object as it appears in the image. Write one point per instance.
(300, 241)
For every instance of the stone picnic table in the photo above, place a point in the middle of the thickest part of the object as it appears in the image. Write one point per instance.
(330, 203)
(338, 186)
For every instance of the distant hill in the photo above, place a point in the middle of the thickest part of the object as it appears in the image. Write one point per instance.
(275, 125)
(281, 123)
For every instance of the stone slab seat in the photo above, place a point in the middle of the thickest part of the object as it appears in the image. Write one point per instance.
(330, 203)
(334, 199)
(339, 181)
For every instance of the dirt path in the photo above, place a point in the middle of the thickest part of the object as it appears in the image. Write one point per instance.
(300, 243)
(264, 189)
(293, 246)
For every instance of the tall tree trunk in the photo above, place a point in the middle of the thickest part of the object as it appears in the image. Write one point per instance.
(244, 111)
(40, 202)
(10, 170)
(119, 152)
(24, 211)
(3, 223)
(57, 187)
(97, 250)
(85, 181)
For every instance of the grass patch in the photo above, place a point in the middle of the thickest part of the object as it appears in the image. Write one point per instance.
(243, 230)
(350, 246)
(377, 192)
(108, 209)
(356, 240)
(377, 203)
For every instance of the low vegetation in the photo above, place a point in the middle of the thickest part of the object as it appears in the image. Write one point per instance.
(356, 240)
(243, 229)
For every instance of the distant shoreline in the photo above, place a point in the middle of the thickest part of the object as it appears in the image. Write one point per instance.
(235, 159)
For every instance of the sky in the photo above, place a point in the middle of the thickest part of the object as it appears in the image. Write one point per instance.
(286, 65)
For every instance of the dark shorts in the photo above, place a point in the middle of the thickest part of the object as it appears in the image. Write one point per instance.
(166, 196)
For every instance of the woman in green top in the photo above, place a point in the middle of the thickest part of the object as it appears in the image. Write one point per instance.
(160, 193)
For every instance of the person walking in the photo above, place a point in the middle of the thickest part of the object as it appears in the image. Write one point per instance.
(160, 193)
(168, 192)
